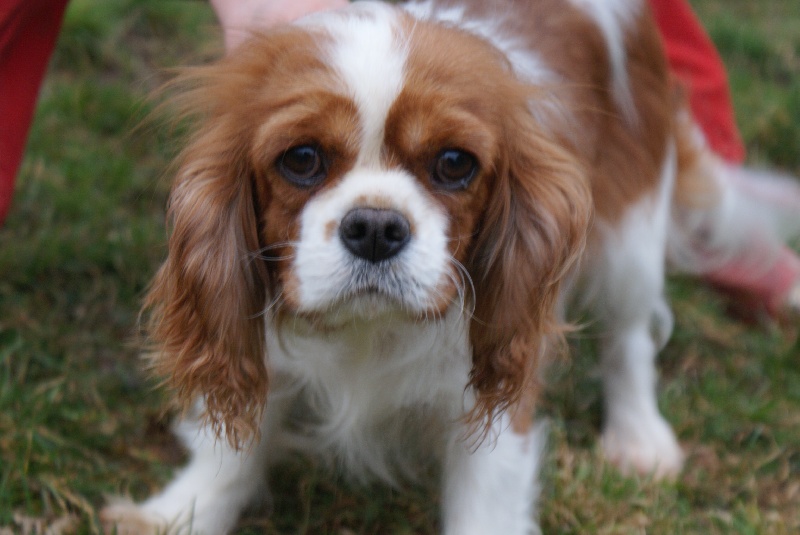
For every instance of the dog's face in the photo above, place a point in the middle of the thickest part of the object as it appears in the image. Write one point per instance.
(376, 171)
(358, 164)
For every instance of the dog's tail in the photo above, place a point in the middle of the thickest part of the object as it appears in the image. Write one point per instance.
(724, 214)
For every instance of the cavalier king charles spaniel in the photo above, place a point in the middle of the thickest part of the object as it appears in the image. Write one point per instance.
(381, 226)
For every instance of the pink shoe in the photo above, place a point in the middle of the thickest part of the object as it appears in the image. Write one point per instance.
(774, 290)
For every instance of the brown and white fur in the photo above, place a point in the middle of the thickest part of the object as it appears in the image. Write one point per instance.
(507, 162)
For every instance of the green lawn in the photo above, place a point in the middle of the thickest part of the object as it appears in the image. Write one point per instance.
(79, 419)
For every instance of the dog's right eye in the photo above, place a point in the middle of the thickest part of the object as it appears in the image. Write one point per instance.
(454, 169)
(304, 166)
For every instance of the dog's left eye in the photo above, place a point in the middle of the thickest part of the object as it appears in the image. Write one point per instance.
(454, 169)
(303, 166)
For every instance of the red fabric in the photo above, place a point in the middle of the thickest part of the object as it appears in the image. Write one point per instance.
(695, 61)
(28, 33)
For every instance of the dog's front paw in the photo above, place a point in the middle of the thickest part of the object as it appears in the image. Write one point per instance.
(647, 448)
(123, 517)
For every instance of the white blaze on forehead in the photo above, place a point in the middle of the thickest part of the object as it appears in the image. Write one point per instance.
(369, 54)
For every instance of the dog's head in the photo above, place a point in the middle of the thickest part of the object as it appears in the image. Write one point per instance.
(357, 164)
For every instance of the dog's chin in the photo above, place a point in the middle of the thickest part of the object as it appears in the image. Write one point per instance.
(370, 304)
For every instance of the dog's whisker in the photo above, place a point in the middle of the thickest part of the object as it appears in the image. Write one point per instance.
(465, 289)
(260, 254)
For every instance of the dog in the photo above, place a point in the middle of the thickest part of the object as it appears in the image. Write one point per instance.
(380, 228)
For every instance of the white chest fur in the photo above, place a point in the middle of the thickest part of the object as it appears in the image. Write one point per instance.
(366, 391)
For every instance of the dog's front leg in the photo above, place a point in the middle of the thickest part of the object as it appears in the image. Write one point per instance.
(491, 487)
(208, 495)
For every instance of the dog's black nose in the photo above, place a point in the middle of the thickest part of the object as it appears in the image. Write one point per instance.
(374, 234)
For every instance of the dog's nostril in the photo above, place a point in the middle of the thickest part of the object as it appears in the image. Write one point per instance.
(374, 234)
(357, 229)
(397, 232)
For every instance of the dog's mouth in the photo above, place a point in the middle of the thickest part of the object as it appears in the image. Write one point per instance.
(372, 290)
(366, 304)
(389, 294)
(389, 280)
(370, 294)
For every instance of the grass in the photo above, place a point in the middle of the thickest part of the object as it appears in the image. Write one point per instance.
(79, 420)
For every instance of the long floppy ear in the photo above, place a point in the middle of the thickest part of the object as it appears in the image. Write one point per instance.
(532, 233)
(204, 306)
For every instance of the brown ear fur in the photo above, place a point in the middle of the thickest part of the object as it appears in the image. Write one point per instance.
(205, 303)
(533, 231)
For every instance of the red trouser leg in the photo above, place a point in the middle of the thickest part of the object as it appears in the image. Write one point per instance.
(695, 61)
(28, 33)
